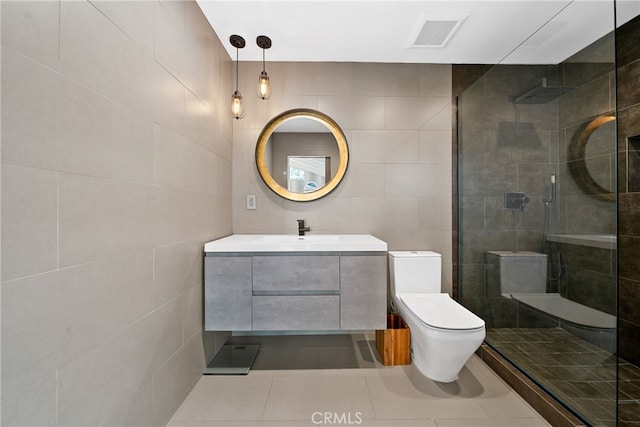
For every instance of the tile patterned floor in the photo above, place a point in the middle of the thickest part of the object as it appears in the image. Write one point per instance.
(629, 395)
(579, 373)
(340, 381)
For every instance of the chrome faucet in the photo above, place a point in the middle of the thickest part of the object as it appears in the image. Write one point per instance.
(302, 228)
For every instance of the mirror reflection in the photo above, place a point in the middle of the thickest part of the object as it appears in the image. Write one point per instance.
(599, 155)
(307, 173)
(302, 154)
(592, 152)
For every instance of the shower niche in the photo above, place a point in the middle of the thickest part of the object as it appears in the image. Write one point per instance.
(633, 164)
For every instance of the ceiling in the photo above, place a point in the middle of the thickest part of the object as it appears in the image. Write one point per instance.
(489, 32)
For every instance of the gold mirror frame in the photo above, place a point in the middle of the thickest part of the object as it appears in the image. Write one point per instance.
(577, 162)
(271, 127)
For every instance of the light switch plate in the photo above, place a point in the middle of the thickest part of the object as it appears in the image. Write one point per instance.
(251, 201)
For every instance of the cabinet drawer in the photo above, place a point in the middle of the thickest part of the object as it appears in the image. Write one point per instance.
(296, 273)
(277, 313)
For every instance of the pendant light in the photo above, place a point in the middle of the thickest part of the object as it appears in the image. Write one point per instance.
(237, 109)
(264, 88)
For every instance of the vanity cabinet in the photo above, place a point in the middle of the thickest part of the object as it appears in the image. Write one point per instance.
(278, 291)
(228, 292)
(363, 292)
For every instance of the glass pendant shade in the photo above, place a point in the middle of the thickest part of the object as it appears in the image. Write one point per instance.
(263, 90)
(237, 108)
(264, 87)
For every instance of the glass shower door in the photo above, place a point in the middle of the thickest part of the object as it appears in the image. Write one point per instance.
(537, 210)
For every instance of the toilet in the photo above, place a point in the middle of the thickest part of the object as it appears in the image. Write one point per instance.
(444, 334)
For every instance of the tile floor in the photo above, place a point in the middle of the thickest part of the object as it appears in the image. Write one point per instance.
(576, 371)
(340, 381)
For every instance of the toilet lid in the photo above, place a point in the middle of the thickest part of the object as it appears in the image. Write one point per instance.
(440, 311)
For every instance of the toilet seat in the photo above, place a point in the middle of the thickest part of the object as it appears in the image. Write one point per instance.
(439, 311)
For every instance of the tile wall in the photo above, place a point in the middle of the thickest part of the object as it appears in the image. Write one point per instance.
(516, 147)
(503, 147)
(589, 275)
(397, 120)
(628, 62)
(116, 167)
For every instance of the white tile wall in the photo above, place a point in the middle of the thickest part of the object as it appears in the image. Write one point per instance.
(33, 29)
(116, 167)
(397, 119)
(29, 221)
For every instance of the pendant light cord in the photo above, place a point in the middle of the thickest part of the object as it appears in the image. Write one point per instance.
(237, 56)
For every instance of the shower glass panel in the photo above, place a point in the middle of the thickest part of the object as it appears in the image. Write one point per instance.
(541, 272)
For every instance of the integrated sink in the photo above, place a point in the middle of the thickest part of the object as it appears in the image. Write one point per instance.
(293, 243)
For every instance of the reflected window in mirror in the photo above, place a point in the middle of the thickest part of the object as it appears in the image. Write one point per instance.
(307, 173)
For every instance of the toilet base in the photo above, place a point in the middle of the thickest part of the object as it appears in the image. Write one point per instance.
(440, 355)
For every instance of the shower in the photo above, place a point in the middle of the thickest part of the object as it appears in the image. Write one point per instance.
(540, 93)
(547, 247)
(562, 333)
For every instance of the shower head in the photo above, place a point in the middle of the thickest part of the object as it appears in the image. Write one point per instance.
(541, 93)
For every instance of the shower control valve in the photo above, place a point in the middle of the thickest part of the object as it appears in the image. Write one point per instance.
(515, 201)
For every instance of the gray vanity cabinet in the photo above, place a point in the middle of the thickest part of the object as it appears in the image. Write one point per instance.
(362, 299)
(228, 293)
(295, 291)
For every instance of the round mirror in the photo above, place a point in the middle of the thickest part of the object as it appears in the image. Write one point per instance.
(302, 154)
(591, 153)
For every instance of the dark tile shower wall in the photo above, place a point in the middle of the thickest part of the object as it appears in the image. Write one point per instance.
(503, 147)
(508, 147)
(628, 90)
(628, 98)
(589, 277)
(593, 96)
(590, 273)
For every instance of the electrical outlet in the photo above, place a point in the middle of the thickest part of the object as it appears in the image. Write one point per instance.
(251, 201)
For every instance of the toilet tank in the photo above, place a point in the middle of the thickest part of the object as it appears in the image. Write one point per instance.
(415, 272)
(511, 272)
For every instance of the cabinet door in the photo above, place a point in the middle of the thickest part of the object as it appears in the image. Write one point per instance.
(363, 292)
(227, 293)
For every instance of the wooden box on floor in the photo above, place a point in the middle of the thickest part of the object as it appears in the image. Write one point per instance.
(393, 343)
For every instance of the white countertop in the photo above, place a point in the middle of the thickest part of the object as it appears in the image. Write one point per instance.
(294, 243)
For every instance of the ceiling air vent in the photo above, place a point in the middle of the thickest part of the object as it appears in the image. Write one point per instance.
(436, 29)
